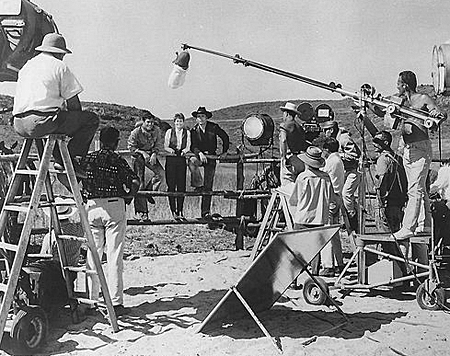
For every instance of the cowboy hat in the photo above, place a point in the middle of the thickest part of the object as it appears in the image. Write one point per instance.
(64, 208)
(202, 110)
(290, 107)
(53, 43)
(312, 157)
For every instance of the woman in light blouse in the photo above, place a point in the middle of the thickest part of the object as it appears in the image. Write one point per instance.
(177, 143)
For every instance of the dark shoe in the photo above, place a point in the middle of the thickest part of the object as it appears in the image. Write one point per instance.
(120, 310)
(207, 216)
(216, 217)
(181, 217)
(175, 215)
(327, 272)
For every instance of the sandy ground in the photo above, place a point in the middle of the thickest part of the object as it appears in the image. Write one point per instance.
(171, 295)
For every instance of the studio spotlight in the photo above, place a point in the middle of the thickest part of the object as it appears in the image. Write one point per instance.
(258, 129)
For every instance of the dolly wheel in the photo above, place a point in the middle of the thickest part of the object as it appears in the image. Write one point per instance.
(29, 329)
(427, 300)
(313, 294)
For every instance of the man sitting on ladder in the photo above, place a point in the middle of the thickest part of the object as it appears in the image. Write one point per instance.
(47, 102)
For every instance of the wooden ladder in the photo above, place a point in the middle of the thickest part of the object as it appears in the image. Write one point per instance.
(14, 253)
(269, 226)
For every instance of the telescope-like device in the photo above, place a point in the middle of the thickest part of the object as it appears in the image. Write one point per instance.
(367, 95)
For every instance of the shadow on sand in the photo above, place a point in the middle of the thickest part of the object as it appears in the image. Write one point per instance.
(165, 314)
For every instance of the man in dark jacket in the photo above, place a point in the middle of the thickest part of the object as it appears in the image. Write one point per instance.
(391, 183)
(204, 142)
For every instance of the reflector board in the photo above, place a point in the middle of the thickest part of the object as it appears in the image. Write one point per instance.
(272, 272)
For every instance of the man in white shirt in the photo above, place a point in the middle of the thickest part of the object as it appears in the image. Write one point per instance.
(335, 169)
(47, 102)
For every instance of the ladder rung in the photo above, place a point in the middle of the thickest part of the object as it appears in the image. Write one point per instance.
(80, 269)
(7, 246)
(40, 255)
(88, 301)
(70, 237)
(33, 172)
(19, 208)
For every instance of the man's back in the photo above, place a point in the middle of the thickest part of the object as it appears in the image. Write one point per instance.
(311, 196)
(44, 83)
(392, 182)
(107, 173)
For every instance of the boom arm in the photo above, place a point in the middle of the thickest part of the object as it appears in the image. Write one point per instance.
(365, 96)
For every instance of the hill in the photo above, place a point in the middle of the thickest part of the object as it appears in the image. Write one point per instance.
(231, 118)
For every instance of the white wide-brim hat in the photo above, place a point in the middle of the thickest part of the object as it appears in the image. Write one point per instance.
(53, 43)
(291, 107)
(64, 208)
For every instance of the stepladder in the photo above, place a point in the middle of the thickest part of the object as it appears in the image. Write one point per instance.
(277, 217)
(26, 322)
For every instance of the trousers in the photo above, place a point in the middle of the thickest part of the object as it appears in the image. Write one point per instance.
(176, 181)
(79, 125)
(108, 224)
(207, 182)
(155, 183)
(417, 160)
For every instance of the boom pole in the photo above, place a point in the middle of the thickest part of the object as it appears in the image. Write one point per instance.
(366, 95)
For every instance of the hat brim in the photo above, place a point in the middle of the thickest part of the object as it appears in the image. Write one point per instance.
(328, 124)
(282, 108)
(208, 114)
(311, 162)
(50, 49)
(71, 210)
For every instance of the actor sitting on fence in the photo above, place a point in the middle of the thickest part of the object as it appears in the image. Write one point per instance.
(178, 143)
(144, 144)
(312, 195)
(204, 142)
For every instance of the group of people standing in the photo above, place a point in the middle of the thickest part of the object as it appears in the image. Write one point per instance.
(320, 181)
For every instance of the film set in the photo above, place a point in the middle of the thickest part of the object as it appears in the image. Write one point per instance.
(146, 211)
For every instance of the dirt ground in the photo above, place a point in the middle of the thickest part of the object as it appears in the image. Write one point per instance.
(170, 295)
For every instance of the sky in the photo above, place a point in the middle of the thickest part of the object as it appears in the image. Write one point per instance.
(123, 50)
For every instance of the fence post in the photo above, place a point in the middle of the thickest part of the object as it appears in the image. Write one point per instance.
(239, 202)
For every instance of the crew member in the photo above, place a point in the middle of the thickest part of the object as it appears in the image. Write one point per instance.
(109, 186)
(312, 195)
(47, 102)
(292, 143)
(350, 154)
